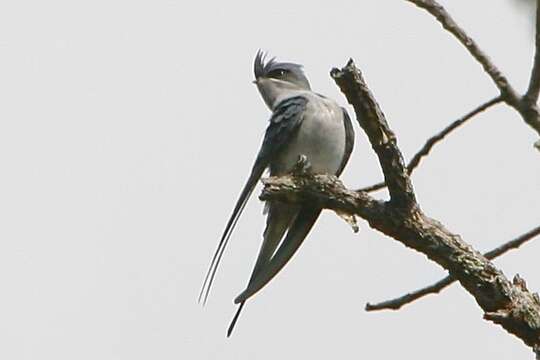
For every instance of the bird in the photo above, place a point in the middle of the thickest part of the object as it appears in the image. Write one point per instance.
(302, 123)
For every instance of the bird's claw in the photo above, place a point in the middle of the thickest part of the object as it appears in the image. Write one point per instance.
(302, 166)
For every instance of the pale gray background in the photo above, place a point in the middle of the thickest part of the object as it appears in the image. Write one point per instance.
(128, 127)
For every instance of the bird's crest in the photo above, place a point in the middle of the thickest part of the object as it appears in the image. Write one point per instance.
(262, 66)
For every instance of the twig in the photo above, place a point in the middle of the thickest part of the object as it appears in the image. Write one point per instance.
(438, 137)
(451, 26)
(374, 187)
(534, 84)
(528, 109)
(424, 150)
(397, 303)
(513, 244)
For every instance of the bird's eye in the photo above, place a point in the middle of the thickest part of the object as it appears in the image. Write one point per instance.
(278, 73)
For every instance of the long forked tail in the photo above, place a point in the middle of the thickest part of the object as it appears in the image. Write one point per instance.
(280, 217)
(295, 236)
(256, 173)
(235, 318)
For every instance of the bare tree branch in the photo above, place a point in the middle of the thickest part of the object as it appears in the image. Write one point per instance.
(513, 244)
(424, 150)
(527, 109)
(534, 84)
(508, 304)
(374, 187)
(451, 26)
(399, 302)
(440, 136)
(382, 139)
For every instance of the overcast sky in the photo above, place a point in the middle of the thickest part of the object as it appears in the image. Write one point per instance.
(127, 129)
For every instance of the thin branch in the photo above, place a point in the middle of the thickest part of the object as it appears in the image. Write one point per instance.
(399, 302)
(430, 143)
(440, 136)
(448, 23)
(528, 110)
(527, 107)
(534, 84)
(513, 244)
(374, 187)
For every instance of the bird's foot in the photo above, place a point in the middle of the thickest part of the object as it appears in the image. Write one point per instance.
(302, 166)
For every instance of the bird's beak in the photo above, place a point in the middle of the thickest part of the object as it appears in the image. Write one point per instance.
(256, 81)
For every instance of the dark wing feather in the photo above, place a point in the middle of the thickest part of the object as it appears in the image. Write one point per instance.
(284, 123)
(349, 141)
(295, 237)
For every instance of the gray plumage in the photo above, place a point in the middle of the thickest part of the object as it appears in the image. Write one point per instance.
(302, 123)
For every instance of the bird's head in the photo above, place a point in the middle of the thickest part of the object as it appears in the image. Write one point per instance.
(273, 77)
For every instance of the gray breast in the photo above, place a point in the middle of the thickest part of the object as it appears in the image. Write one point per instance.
(321, 137)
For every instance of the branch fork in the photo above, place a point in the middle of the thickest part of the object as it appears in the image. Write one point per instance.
(507, 303)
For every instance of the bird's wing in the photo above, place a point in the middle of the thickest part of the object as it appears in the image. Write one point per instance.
(295, 236)
(284, 123)
(279, 219)
(349, 141)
